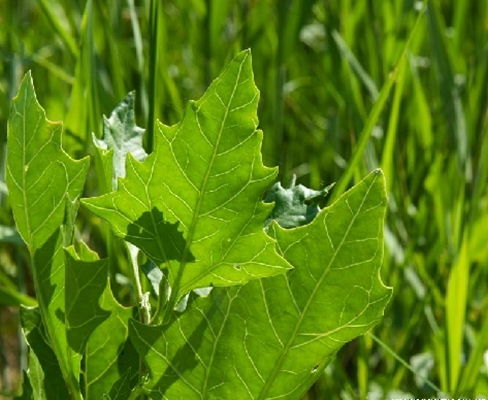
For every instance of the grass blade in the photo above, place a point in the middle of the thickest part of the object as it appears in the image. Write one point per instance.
(371, 121)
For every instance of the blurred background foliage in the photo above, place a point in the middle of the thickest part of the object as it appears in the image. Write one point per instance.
(346, 86)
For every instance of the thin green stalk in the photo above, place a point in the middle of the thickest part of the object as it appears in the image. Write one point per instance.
(280, 78)
(137, 37)
(111, 30)
(355, 64)
(54, 69)
(373, 117)
(144, 304)
(154, 51)
(90, 69)
(391, 133)
(470, 373)
(207, 45)
(450, 96)
(55, 21)
(456, 302)
(84, 113)
(428, 382)
(10, 294)
(364, 137)
(364, 343)
(137, 393)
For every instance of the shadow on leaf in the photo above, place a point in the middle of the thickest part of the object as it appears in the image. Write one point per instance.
(177, 358)
(159, 239)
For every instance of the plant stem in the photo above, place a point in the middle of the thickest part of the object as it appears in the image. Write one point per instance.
(153, 63)
(142, 298)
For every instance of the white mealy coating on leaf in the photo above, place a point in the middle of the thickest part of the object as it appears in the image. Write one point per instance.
(294, 206)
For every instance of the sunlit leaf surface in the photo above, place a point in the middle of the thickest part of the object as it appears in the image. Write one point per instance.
(194, 205)
(270, 338)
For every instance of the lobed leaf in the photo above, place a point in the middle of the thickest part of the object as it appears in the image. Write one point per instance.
(86, 280)
(40, 175)
(97, 327)
(295, 205)
(122, 136)
(44, 183)
(111, 362)
(194, 205)
(270, 338)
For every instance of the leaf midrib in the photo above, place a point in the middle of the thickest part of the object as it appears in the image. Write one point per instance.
(287, 347)
(191, 229)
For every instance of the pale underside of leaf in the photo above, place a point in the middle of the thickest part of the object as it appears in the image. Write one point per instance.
(122, 136)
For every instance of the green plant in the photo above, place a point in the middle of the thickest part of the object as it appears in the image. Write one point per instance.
(232, 310)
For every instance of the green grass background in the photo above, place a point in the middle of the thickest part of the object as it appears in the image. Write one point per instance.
(346, 86)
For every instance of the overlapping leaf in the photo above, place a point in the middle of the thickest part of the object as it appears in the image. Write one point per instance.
(270, 338)
(97, 326)
(44, 378)
(49, 276)
(86, 280)
(295, 205)
(121, 135)
(194, 205)
(111, 362)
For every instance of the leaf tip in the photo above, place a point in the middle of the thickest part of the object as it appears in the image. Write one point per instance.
(26, 86)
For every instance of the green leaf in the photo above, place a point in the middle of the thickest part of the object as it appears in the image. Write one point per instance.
(85, 283)
(294, 206)
(49, 279)
(46, 381)
(44, 183)
(272, 337)
(122, 135)
(111, 364)
(194, 205)
(40, 175)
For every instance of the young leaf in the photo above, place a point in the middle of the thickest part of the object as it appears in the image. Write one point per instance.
(295, 205)
(194, 205)
(122, 135)
(271, 337)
